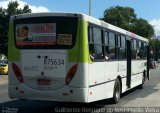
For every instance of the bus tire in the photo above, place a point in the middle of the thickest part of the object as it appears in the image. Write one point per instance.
(23, 99)
(141, 86)
(117, 91)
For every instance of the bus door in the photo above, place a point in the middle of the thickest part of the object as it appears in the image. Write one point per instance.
(128, 81)
(148, 61)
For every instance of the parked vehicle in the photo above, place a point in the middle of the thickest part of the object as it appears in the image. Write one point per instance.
(4, 61)
(3, 68)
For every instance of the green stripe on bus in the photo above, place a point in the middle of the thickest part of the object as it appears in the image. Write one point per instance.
(80, 51)
(75, 50)
(13, 52)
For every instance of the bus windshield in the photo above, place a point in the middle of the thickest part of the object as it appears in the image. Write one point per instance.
(45, 32)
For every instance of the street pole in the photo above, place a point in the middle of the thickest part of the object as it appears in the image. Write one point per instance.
(155, 47)
(89, 7)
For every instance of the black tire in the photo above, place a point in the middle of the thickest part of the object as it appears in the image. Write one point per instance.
(22, 99)
(141, 86)
(117, 91)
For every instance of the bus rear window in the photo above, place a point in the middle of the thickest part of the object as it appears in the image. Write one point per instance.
(45, 32)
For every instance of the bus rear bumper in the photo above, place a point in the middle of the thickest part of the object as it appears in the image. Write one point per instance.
(64, 94)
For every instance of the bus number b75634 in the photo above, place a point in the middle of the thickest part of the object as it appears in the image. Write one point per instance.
(53, 61)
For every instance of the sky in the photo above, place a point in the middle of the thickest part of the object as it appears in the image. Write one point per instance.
(146, 9)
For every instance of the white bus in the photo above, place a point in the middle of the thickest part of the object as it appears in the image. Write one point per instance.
(73, 57)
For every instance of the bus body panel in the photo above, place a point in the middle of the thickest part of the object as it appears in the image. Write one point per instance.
(52, 65)
(96, 78)
(96, 93)
(110, 77)
(96, 73)
(81, 78)
(63, 94)
(101, 87)
(122, 72)
(138, 68)
(74, 92)
(53, 68)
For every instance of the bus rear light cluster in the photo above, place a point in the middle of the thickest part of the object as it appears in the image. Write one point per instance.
(71, 73)
(17, 72)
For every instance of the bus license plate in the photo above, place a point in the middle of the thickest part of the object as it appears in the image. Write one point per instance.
(43, 81)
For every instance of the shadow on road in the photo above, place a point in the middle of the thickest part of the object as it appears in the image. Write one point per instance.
(35, 106)
(27, 106)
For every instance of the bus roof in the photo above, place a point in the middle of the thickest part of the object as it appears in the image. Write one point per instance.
(113, 28)
(84, 17)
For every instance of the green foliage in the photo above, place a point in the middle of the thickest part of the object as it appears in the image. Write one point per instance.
(155, 47)
(120, 16)
(5, 15)
(142, 28)
(125, 17)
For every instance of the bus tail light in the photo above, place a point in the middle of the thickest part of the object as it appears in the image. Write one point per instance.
(17, 72)
(71, 73)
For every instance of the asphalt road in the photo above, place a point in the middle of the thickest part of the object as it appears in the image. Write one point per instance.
(144, 98)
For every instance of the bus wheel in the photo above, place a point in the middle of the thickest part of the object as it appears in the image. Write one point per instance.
(117, 91)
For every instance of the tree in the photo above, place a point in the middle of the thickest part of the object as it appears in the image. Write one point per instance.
(5, 15)
(120, 16)
(125, 17)
(143, 28)
(155, 48)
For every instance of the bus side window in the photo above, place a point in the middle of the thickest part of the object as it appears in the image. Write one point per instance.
(122, 48)
(90, 37)
(97, 35)
(112, 48)
(138, 54)
(112, 53)
(142, 51)
(134, 49)
(91, 51)
(95, 43)
(106, 51)
(91, 45)
(138, 50)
